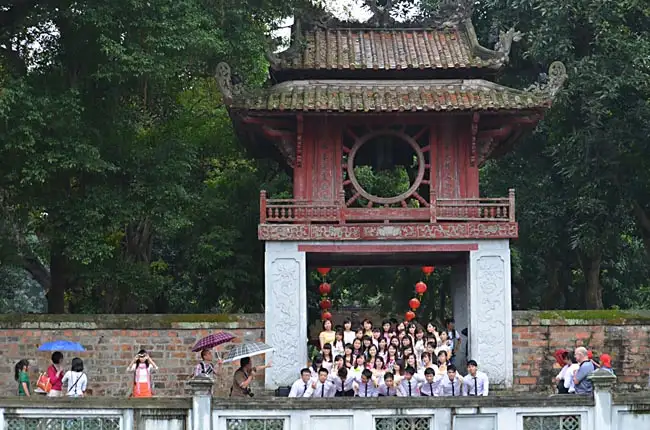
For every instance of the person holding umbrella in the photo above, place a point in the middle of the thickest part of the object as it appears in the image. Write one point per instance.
(55, 374)
(205, 345)
(246, 372)
(205, 366)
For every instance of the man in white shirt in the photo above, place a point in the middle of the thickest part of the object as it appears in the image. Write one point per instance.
(323, 387)
(300, 387)
(476, 382)
(431, 384)
(410, 385)
(344, 384)
(387, 386)
(366, 388)
(451, 384)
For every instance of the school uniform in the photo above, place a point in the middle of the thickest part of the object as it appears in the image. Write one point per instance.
(410, 388)
(343, 388)
(476, 385)
(431, 389)
(299, 388)
(326, 389)
(451, 388)
(366, 389)
(384, 391)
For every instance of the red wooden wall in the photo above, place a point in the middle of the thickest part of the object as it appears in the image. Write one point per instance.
(319, 178)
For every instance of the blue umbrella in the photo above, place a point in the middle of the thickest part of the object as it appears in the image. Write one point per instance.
(62, 345)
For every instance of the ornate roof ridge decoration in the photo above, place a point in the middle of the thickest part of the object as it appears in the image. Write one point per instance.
(551, 83)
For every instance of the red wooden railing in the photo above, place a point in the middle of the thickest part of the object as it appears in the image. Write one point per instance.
(289, 211)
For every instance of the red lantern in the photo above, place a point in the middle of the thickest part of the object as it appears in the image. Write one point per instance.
(324, 289)
(410, 315)
(414, 304)
(326, 315)
(323, 270)
(420, 287)
(427, 270)
(325, 304)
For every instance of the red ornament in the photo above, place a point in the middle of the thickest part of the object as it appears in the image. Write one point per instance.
(324, 289)
(414, 304)
(326, 315)
(427, 270)
(323, 270)
(325, 304)
(420, 287)
(410, 315)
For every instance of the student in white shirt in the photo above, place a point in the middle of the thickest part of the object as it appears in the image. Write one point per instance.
(431, 384)
(365, 385)
(348, 334)
(344, 384)
(387, 386)
(323, 387)
(451, 384)
(76, 379)
(410, 385)
(316, 365)
(300, 387)
(476, 382)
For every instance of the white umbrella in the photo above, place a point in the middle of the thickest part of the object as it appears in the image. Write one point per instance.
(239, 351)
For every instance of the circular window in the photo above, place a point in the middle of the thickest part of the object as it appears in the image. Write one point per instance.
(381, 166)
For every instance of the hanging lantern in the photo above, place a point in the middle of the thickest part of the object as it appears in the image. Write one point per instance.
(420, 288)
(427, 270)
(410, 316)
(325, 304)
(324, 289)
(326, 316)
(323, 270)
(414, 303)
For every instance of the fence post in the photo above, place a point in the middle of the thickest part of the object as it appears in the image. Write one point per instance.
(511, 204)
(263, 207)
(201, 389)
(603, 382)
(432, 205)
(341, 205)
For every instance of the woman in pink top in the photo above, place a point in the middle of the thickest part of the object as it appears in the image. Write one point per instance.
(55, 373)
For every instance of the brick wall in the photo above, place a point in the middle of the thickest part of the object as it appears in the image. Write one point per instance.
(623, 335)
(113, 340)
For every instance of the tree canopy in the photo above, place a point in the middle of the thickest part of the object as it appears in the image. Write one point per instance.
(124, 189)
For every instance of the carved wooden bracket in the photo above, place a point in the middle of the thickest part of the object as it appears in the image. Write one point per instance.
(285, 134)
(489, 139)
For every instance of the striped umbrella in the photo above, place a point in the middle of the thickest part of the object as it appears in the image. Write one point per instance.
(212, 340)
(251, 349)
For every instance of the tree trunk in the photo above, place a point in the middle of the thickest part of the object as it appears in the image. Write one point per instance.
(593, 289)
(59, 282)
(552, 295)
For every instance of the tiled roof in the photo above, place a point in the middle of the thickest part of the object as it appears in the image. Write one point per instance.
(388, 96)
(393, 49)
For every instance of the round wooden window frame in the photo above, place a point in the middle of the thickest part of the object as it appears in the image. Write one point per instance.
(386, 200)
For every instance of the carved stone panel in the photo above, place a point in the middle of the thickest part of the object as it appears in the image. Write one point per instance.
(491, 314)
(285, 315)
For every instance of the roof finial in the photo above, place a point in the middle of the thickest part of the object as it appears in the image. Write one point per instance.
(381, 10)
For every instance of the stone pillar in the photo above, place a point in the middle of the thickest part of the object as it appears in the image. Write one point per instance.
(603, 382)
(201, 389)
(460, 301)
(491, 310)
(285, 278)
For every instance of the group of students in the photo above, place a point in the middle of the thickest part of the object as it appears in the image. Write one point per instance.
(55, 378)
(398, 359)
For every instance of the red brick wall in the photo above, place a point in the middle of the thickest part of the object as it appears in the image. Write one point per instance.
(113, 340)
(623, 335)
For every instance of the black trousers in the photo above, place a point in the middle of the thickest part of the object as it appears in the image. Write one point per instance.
(349, 393)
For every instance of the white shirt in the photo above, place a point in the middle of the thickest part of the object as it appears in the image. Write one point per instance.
(453, 337)
(327, 389)
(432, 388)
(299, 388)
(450, 388)
(383, 390)
(366, 389)
(77, 382)
(348, 337)
(414, 390)
(346, 385)
(476, 386)
(568, 377)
